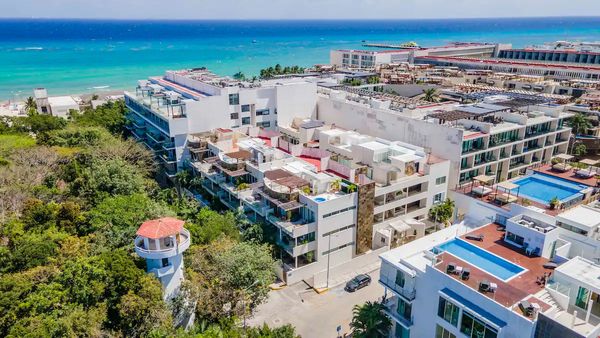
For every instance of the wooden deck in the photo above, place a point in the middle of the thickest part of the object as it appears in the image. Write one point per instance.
(514, 290)
(569, 175)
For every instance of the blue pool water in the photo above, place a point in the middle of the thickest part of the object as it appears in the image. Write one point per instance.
(320, 199)
(481, 259)
(543, 188)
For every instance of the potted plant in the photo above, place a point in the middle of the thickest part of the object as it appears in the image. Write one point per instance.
(554, 203)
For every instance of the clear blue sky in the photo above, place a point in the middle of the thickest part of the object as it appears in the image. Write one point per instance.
(295, 9)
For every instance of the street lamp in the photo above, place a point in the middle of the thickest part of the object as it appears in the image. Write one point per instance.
(328, 259)
(244, 300)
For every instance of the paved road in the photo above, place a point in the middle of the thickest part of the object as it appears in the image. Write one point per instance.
(312, 314)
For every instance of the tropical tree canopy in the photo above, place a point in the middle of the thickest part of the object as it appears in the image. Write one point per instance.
(442, 212)
(579, 123)
(430, 95)
(370, 321)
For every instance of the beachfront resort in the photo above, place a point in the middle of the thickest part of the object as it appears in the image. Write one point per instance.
(349, 161)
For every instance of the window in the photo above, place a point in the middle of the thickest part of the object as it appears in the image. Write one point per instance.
(404, 309)
(265, 124)
(339, 211)
(245, 120)
(304, 239)
(245, 108)
(338, 248)
(400, 279)
(515, 238)
(448, 311)
(438, 198)
(441, 332)
(165, 262)
(262, 112)
(572, 228)
(440, 180)
(234, 116)
(338, 230)
(583, 297)
(475, 328)
(401, 332)
(234, 99)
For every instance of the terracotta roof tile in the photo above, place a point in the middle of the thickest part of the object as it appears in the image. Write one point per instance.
(160, 228)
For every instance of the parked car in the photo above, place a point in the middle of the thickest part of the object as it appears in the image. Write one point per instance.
(358, 282)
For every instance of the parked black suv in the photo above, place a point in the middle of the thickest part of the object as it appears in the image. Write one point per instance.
(357, 283)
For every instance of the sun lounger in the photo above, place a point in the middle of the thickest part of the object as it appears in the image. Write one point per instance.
(506, 198)
(584, 173)
(561, 167)
(481, 190)
(475, 237)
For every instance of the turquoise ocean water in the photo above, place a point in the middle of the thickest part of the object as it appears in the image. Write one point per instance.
(81, 56)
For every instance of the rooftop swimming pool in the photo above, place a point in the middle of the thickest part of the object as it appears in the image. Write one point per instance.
(543, 188)
(483, 260)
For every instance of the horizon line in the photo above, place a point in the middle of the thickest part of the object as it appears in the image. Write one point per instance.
(299, 19)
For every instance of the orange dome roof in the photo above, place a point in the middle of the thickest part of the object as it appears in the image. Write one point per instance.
(160, 228)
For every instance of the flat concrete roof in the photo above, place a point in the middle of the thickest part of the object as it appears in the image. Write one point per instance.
(582, 216)
(582, 270)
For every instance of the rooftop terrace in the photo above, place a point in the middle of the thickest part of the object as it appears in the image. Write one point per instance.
(508, 293)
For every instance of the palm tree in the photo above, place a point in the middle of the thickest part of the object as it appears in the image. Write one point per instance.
(442, 212)
(579, 123)
(370, 321)
(239, 76)
(30, 104)
(277, 69)
(182, 178)
(430, 95)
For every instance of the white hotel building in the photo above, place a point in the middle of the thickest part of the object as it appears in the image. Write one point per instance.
(492, 137)
(336, 198)
(451, 285)
(165, 110)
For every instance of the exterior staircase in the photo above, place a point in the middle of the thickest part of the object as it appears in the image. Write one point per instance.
(547, 298)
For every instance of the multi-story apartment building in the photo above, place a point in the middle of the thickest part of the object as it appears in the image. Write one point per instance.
(370, 58)
(502, 135)
(537, 276)
(163, 111)
(550, 69)
(336, 198)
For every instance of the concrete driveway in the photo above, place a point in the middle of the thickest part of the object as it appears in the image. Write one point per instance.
(315, 315)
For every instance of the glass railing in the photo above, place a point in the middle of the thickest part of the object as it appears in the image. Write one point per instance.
(407, 293)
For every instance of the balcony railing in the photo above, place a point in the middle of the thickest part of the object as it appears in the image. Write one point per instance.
(161, 252)
(408, 294)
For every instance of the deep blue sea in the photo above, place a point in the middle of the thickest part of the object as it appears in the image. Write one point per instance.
(80, 56)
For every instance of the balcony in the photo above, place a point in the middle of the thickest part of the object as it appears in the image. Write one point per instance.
(292, 227)
(159, 249)
(537, 133)
(408, 294)
(168, 145)
(167, 159)
(517, 164)
(392, 313)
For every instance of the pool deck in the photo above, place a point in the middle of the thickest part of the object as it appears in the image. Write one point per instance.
(491, 199)
(509, 293)
(569, 175)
